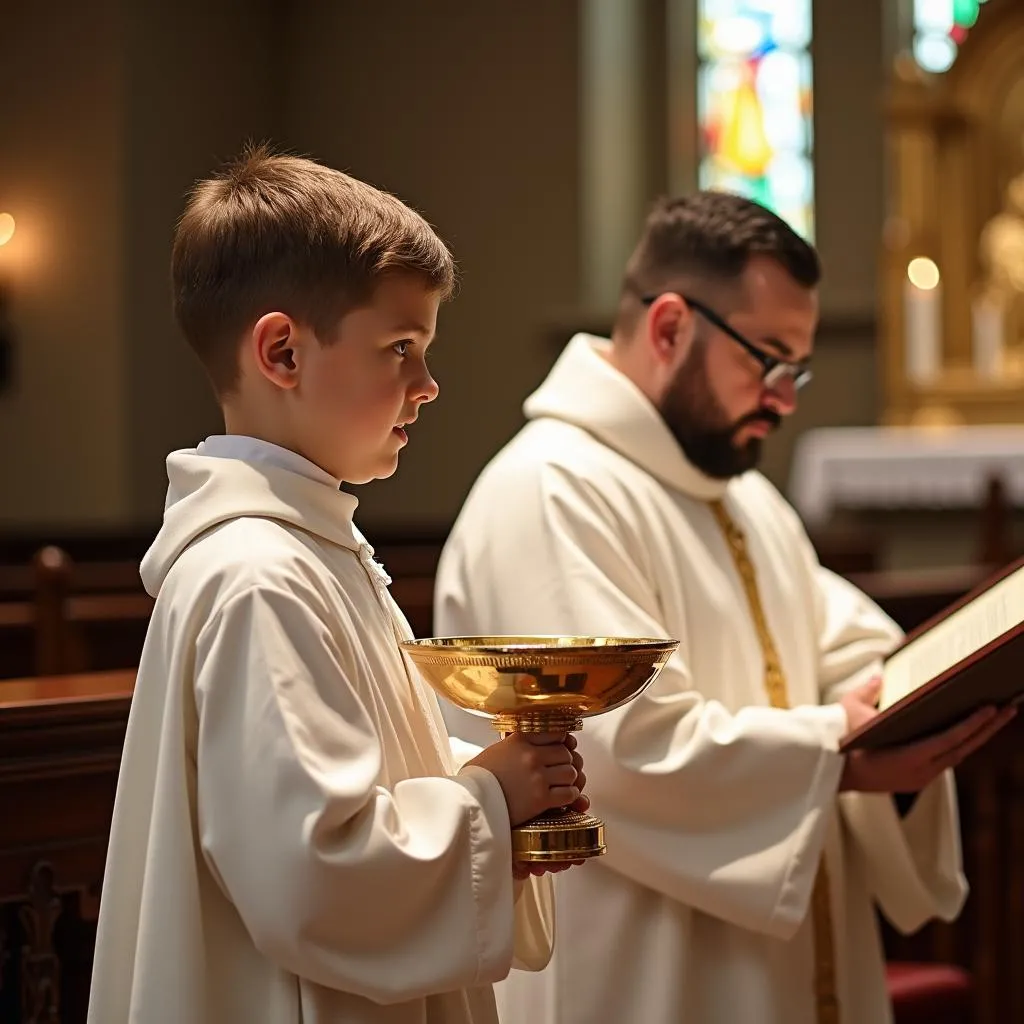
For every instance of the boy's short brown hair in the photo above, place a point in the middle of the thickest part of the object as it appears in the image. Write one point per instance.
(282, 233)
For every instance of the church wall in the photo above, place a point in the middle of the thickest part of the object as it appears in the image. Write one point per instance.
(469, 112)
(849, 91)
(62, 421)
(205, 76)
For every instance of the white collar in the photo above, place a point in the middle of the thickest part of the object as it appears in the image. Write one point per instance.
(256, 451)
(584, 388)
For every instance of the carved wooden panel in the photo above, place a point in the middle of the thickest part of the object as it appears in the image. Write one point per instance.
(40, 967)
(60, 749)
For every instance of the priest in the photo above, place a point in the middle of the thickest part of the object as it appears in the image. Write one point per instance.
(746, 854)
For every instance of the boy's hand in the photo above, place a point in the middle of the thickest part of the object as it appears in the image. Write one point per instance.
(522, 869)
(537, 772)
(581, 804)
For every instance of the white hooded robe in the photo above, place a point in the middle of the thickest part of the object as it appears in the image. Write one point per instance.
(290, 840)
(717, 806)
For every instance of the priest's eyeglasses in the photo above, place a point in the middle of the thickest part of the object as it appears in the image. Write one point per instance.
(774, 371)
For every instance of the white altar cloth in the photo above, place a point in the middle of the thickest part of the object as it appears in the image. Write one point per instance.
(903, 467)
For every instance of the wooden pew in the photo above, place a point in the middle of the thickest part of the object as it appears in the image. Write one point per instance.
(94, 546)
(415, 596)
(17, 639)
(58, 615)
(60, 749)
(111, 559)
(21, 581)
(74, 618)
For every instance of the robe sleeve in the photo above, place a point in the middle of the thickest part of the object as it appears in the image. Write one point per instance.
(725, 813)
(388, 894)
(913, 863)
(534, 897)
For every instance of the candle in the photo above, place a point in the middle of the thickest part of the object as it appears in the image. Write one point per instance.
(987, 336)
(922, 313)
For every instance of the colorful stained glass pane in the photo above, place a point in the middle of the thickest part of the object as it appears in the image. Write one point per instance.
(965, 12)
(940, 28)
(754, 103)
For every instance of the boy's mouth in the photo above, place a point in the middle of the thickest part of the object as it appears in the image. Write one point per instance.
(400, 433)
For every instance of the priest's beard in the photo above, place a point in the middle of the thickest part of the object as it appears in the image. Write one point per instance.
(701, 426)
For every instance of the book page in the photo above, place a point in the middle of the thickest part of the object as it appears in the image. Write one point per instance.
(967, 630)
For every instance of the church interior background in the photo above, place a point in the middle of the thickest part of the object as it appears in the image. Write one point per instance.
(888, 132)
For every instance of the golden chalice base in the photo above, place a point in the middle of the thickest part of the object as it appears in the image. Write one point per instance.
(543, 684)
(557, 836)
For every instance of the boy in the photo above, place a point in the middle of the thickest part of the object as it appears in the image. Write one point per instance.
(290, 840)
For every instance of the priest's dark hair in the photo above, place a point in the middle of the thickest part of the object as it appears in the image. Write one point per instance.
(705, 241)
(279, 233)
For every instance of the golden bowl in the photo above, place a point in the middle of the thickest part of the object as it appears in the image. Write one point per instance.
(542, 684)
(539, 683)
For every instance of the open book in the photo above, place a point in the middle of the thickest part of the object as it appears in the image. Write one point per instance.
(970, 655)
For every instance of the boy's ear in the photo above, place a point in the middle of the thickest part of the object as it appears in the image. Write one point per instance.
(276, 343)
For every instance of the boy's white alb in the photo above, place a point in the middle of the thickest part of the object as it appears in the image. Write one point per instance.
(289, 842)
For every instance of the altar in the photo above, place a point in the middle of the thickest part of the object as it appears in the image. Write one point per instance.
(904, 468)
(931, 490)
(946, 459)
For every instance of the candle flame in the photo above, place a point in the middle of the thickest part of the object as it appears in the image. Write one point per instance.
(923, 273)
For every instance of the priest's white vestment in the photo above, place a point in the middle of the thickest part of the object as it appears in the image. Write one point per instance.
(291, 842)
(718, 807)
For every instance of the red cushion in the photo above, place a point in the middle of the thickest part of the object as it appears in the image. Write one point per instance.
(937, 993)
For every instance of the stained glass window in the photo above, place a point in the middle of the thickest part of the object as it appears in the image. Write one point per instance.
(940, 27)
(754, 103)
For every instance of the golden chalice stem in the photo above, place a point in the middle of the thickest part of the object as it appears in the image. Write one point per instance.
(537, 721)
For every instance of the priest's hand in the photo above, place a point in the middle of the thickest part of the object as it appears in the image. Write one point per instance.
(537, 772)
(861, 703)
(908, 769)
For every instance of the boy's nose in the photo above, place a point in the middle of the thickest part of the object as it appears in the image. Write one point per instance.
(426, 389)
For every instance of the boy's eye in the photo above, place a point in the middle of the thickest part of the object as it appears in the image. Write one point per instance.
(401, 347)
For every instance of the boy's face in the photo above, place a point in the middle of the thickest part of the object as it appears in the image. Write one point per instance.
(354, 396)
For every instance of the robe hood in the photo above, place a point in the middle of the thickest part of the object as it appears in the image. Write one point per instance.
(204, 491)
(584, 389)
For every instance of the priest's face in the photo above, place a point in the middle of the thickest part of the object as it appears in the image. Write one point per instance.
(360, 392)
(719, 406)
